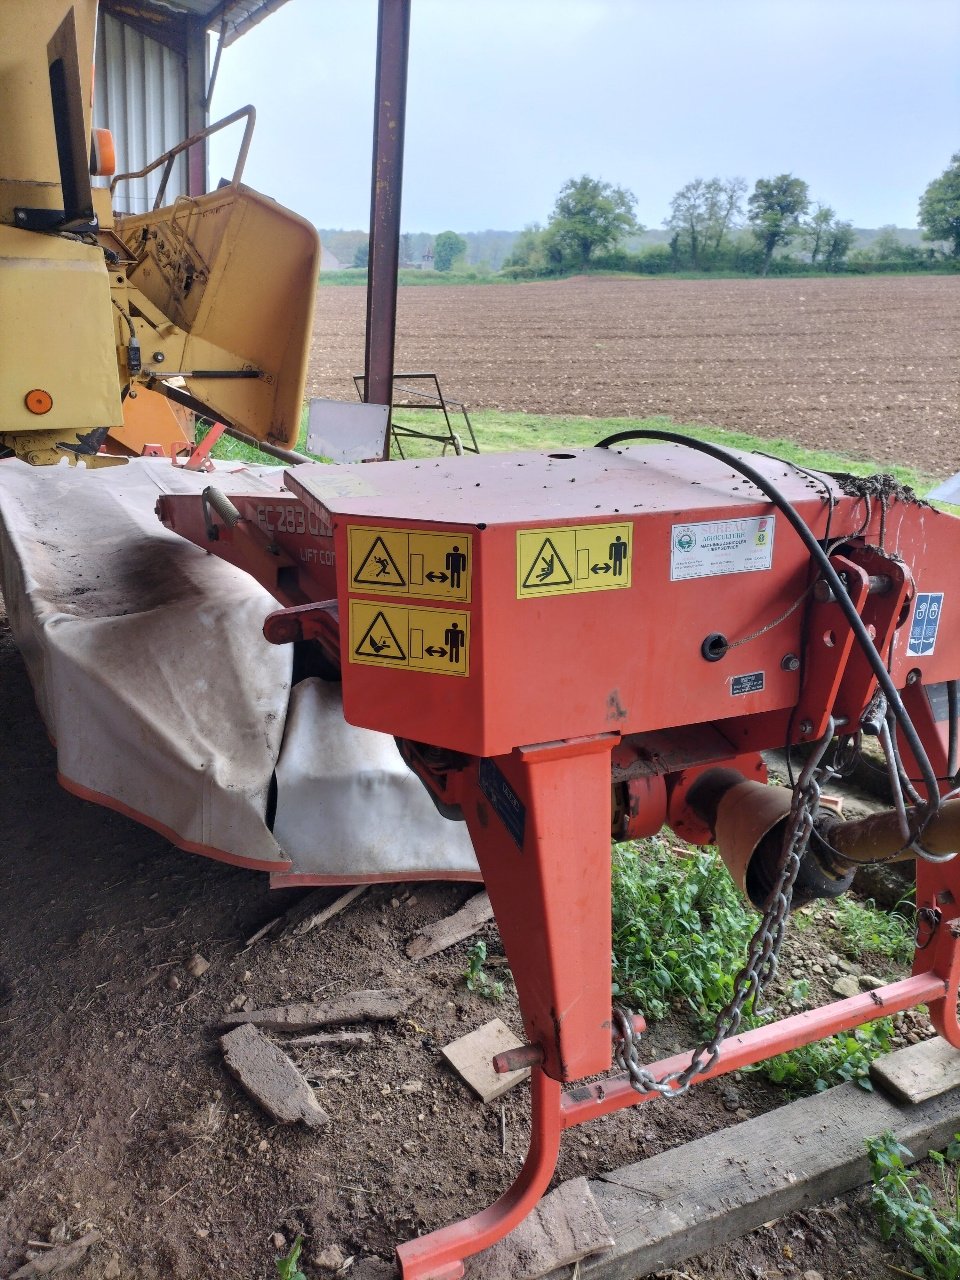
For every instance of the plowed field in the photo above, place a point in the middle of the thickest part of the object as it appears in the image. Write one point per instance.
(869, 367)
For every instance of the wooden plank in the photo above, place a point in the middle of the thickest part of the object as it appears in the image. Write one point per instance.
(270, 1078)
(919, 1072)
(357, 1006)
(471, 1058)
(452, 929)
(566, 1225)
(687, 1200)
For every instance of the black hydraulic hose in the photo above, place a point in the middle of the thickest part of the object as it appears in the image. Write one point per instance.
(807, 537)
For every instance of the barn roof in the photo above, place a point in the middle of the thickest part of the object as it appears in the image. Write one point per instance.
(169, 20)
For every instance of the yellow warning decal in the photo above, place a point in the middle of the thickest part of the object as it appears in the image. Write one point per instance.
(560, 562)
(410, 638)
(410, 562)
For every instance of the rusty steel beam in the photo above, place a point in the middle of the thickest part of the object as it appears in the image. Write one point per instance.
(393, 42)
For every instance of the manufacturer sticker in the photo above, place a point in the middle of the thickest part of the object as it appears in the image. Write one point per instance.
(712, 547)
(409, 562)
(752, 682)
(926, 624)
(560, 562)
(410, 639)
(504, 801)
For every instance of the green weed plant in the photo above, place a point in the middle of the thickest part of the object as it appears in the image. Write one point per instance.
(476, 977)
(288, 1267)
(907, 1209)
(680, 936)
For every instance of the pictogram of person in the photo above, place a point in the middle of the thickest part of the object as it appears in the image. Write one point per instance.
(547, 570)
(454, 639)
(618, 554)
(455, 563)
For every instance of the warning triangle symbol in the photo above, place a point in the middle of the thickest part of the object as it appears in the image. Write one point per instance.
(380, 641)
(547, 569)
(378, 568)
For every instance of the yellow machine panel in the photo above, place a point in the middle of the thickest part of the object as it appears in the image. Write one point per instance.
(29, 170)
(56, 335)
(236, 273)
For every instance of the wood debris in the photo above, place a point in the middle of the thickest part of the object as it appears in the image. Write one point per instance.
(334, 1040)
(919, 1072)
(307, 914)
(270, 1078)
(357, 1006)
(59, 1259)
(445, 933)
(471, 1057)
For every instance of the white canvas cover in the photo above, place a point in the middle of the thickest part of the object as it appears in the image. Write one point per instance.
(164, 700)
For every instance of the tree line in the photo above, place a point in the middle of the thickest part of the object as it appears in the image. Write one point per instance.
(715, 225)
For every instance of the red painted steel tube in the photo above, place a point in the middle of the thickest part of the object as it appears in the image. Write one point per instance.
(435, 1255)
(592, 1100)
(531, 1055)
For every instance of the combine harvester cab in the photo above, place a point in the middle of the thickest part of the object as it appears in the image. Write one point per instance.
(147, 655)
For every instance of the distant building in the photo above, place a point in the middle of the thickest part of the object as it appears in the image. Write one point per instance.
(329, 261)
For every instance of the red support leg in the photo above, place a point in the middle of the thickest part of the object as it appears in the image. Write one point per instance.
(938, 892)
(439, 1256)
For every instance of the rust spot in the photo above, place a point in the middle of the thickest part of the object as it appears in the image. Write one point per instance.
(615, 710)
(557, 1020)
(483, 814)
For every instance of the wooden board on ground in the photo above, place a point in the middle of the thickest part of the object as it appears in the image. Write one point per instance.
(687, 1200)
(357, 1006)
(270, 1078)
(566, 1225)
(471, 1058)
(922, 1071)
(452, 929)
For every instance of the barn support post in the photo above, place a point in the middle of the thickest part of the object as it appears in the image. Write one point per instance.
(393, 42)
(196, 78)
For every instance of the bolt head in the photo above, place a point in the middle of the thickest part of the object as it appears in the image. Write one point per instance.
(806, 727)
(790, 662)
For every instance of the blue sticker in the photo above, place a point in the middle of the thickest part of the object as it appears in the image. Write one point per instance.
(506, 803)
(926, 622)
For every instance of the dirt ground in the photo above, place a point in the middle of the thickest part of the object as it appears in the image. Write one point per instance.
(864, 366)
(116, 1112)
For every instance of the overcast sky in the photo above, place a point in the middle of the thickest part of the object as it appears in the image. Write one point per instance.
(509, 98)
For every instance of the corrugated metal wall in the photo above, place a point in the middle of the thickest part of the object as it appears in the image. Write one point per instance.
(140, 95)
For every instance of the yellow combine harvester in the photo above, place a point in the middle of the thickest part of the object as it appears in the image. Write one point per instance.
(207, 302)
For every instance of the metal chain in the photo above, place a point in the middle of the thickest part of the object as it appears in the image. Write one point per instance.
(769, 626)
(762, 954)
